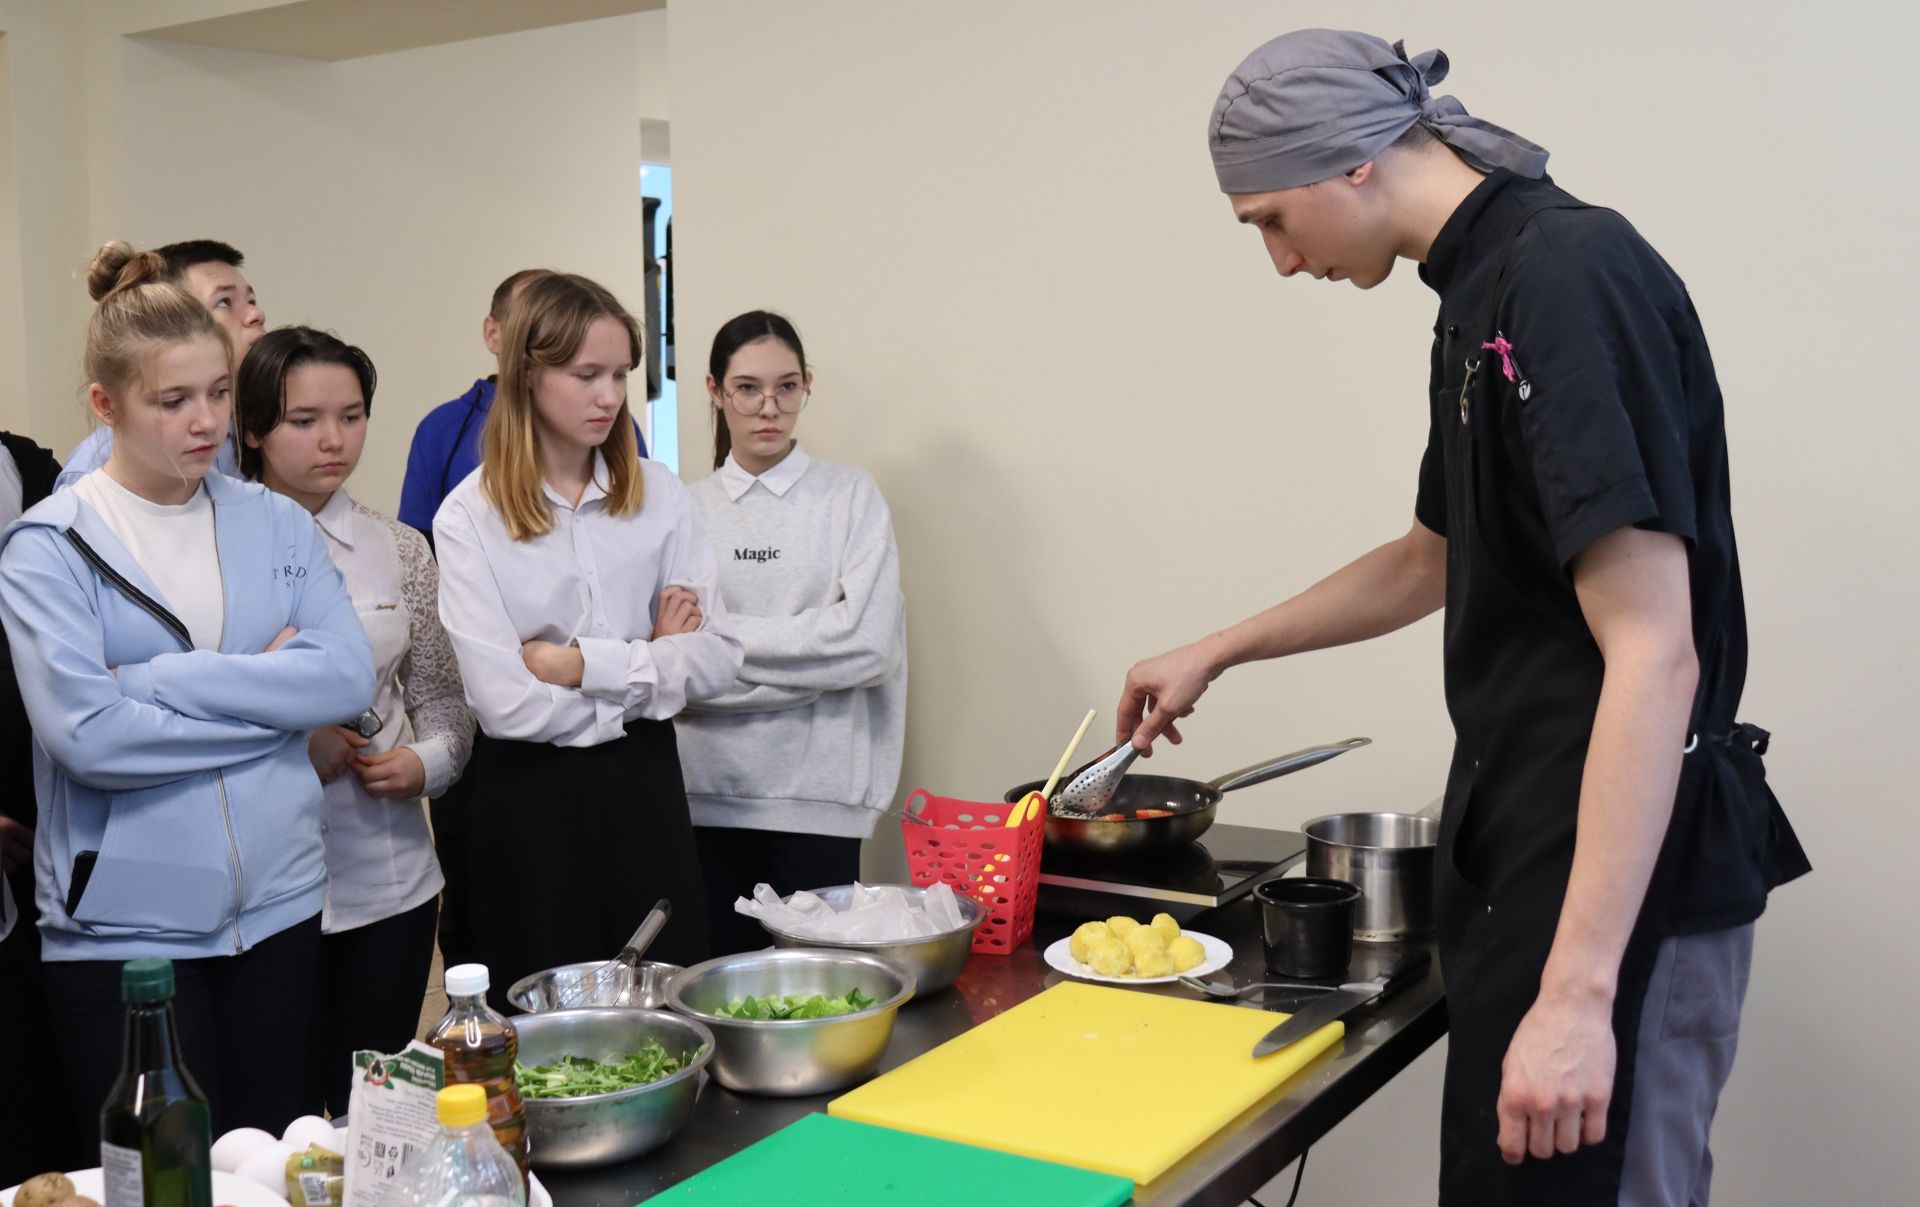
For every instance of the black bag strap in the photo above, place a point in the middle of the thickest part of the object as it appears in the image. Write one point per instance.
(1483, 330)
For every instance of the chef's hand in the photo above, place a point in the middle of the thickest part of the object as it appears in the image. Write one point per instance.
(281, 638)
(560, 665)
(396, 775)
(16, 844)
(1557, 1079)
(1161, 691)
(330, 749)
(679, 613)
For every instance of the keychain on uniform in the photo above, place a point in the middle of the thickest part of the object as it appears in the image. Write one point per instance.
(1504, 350)
(1466, 388)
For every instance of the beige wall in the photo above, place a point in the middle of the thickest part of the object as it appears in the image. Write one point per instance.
(385, 197)
(382, 197)
(1105, 426)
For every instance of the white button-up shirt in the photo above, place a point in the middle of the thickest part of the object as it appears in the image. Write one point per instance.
(380, 859)
(592, 581)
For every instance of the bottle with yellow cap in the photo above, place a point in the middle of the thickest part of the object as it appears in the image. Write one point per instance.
(464, 1166)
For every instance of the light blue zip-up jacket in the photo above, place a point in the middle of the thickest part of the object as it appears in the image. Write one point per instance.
(179, 815)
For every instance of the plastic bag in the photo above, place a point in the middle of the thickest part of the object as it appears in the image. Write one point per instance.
(883, 913)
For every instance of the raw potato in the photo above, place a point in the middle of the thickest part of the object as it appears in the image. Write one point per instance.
(1153, 962)
(78, 1200)
(1084, 936)
(1164, 926)
(1186, 952)
(1120, 925)
(43, 1190)
(1110, 957)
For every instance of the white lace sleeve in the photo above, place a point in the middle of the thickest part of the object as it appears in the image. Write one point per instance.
(429, 674)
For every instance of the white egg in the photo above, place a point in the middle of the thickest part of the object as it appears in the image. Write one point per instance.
(308, 1129)
(268, 1167)
(236, 1146)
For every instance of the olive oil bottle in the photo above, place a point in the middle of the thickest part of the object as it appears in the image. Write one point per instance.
(155, 1133)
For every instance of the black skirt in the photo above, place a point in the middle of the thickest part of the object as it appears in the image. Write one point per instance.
(566, 848)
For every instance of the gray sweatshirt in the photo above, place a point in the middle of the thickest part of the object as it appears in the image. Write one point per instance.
(808, 740)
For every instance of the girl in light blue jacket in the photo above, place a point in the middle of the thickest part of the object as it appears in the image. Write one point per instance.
(176, 634)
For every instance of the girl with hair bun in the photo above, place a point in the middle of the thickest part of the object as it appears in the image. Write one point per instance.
(177, 633)
(580, 594)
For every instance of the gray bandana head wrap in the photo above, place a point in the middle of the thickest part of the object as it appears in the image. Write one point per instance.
(1318, 103)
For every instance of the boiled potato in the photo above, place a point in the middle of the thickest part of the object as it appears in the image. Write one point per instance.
(1110, 957)
(43, 1190)
(1122, 925)
(1186, 952)
(1083, 937)
(1164, 926)
(1152, 962)
(1144, 939)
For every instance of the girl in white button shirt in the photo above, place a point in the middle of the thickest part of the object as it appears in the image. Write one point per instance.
(579, 592)
(303, 401)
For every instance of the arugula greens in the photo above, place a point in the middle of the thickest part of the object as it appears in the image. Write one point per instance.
(576, 1076)
(776, 1006)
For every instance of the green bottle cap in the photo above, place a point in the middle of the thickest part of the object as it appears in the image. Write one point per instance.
(146, 980)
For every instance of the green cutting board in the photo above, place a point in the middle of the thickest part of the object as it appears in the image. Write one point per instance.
(825, 1162)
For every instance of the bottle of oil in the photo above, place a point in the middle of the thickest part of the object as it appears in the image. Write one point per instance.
(155, 1134)
(480, 1047)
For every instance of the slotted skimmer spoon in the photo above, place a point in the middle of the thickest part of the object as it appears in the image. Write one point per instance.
(1088, 792)
(611, 978)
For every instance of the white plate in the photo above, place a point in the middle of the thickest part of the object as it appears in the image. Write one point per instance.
(1219, 955)
(227, 1188)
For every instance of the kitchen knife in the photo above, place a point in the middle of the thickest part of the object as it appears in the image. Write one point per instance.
(1318, 1013)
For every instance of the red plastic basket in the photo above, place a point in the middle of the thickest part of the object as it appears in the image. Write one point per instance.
(969, 846)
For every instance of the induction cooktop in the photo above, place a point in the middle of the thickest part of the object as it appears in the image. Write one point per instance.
(1222, 866)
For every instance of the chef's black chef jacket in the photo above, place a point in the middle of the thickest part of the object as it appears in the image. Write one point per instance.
(1572, 395)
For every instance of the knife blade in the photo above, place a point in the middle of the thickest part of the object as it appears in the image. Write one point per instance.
(1318, 1013)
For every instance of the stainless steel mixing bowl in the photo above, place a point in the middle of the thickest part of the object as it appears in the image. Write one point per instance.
(935, 959)
(598, 1129)
(794, 1056)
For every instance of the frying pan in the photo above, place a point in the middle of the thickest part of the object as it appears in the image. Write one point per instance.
(1190, 806)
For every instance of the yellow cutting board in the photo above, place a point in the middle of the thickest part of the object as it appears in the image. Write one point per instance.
(1114, 1080)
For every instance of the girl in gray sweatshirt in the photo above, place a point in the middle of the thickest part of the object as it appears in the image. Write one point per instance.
(794, 765)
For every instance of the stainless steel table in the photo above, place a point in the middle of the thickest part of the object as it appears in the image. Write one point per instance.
(1381, 1040)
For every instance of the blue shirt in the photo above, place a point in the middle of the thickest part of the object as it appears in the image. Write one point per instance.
(446, 448)
(90, 454)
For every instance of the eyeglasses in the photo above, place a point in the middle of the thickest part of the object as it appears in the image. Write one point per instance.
(788, 396)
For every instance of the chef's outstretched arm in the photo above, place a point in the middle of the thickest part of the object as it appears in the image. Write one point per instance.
(1385, 589)
(1558, 1076)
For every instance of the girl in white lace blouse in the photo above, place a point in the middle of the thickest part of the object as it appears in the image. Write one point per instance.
(303, 399)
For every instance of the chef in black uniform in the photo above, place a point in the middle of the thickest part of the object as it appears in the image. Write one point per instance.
(1608, 836)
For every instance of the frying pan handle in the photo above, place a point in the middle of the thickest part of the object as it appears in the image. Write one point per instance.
(1260, 773)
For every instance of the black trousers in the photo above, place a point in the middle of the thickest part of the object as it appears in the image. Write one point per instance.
(27, 1136)
(445, 813)
(245, 1023)
(734, 860)
(567, 848)
(373, 979)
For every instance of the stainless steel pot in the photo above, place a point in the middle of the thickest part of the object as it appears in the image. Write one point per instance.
(1389, 857)
(1190, 807)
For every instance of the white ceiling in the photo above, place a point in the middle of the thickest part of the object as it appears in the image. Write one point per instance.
(351, 29)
